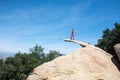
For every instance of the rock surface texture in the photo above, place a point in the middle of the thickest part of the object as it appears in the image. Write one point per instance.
(117, 50)
(87, 63)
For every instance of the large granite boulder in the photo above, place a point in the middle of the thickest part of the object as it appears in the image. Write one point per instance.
(87, 63)
(117, 50)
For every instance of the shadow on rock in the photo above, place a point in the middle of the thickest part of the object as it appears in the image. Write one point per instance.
(116, 62)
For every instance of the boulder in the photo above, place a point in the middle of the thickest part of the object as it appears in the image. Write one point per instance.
(117, 50)
(87, 63)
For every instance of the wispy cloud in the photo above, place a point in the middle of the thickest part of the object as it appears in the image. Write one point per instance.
(47, 23)
(42, 23)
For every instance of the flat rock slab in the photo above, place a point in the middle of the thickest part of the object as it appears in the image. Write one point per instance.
(83, 44)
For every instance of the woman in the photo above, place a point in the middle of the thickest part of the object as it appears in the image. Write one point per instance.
(72, 34)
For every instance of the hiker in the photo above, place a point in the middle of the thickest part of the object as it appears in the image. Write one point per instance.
(72, 34)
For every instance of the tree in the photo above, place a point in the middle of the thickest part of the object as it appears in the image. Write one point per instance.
(20, 66)
(109, 39)
(37, 51)
(53, 54)
(1, 62)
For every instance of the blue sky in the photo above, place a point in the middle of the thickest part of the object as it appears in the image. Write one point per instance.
(25, 23)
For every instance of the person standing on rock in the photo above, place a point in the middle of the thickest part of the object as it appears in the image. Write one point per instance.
(72, 34)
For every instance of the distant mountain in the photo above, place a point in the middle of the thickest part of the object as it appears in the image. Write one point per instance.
(6, 54)
(4, 58)
(1, 57)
